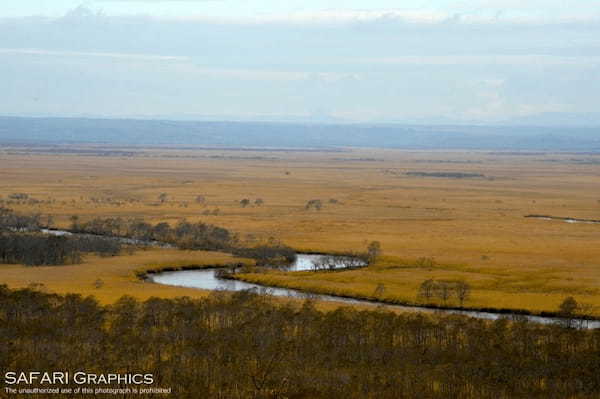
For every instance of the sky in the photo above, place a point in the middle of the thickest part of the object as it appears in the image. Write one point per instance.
(441, 61)
(249, 8)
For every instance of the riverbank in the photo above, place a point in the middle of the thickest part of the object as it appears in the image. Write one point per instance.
(399, 281)
(108, 279)
(441, 229)
(212, 279)
(480, 312)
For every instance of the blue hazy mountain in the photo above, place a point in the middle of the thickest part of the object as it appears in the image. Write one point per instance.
(265, 134)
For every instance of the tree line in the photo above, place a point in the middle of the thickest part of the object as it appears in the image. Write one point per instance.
(11, 221)
(21, 242)
(244, 345)
(186, 235)
(18, 234)
(95, 236)
(444, 290)
(40, 249)
(349, 261)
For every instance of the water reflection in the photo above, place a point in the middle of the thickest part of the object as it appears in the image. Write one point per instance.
(206, 279)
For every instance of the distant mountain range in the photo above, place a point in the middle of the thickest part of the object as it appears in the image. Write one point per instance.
(547, 119)
(557, 119)
(524, 136)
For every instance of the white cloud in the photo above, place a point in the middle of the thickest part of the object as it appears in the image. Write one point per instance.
(187, 64)
(358, 64)
(466, 16)
(274, 75)
(124, 56)
(467, 60)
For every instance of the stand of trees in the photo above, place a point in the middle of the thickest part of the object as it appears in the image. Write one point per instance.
(97, 235)
(22, 243)
(574, 314)
(444, 290)
(12, 221)
(186, 235)
(272, 255)
(38, 249)
(316, 204)
(245, 346)
(332, 262)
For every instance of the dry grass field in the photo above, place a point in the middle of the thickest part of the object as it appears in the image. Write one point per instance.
(470, 228)
(117, 276)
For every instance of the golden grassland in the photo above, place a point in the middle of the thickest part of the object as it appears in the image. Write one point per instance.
(117, 274)
(474, 229)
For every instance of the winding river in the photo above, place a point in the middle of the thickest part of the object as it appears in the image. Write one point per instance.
(207, 280)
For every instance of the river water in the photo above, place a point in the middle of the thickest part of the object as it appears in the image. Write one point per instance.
(124, 240)
(566, 220)
(206, 279)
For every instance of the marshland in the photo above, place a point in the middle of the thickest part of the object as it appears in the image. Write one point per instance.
(424, 244)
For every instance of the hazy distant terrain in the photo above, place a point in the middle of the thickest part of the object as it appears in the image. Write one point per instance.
(263, 134)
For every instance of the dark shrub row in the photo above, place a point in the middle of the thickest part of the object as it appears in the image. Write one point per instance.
(39, 249)
(245, 346)
(186, 235)
(12, 221)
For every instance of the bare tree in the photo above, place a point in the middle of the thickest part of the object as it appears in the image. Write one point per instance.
(245, 202)
(426, 290)
(374, 251)
(568, 311)
(444, 291)
(463, 291)
(316, 204)
(325, 262)
(425, 262)
(35, 286)
(568, 306)
(49, 221)
(162, 197)
(379, 291)
(74, 222)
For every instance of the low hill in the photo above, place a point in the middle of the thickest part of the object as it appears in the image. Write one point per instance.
(264, 134)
